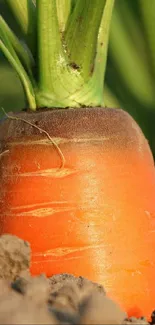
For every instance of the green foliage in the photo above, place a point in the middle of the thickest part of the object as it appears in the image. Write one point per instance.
(63, 76)
(130, 74)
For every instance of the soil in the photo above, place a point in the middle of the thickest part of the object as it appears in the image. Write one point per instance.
(60, 299)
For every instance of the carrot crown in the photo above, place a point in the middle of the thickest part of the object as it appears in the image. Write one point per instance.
(62, 62)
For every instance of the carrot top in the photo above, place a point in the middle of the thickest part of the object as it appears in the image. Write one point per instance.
(62, 62)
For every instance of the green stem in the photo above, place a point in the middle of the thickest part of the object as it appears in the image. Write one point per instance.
(22, 74)
(25, 14)
(82, 32)
(62, 82)
(50, 51)
(148, 17)
(73, 4)
(103, 41)
(23, 54)
(63, 10)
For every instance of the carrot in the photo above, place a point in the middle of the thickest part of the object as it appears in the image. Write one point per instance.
(95, 216)
(78, 184)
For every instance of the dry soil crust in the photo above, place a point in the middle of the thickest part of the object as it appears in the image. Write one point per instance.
(61, 299)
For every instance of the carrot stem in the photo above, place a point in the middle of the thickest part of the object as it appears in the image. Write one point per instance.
(25, 14)
(103, 41)
(63, 10)
(70, 65)
(82, 33)
(10, 54)
(50, 51)
(22, 52)
(148, 18)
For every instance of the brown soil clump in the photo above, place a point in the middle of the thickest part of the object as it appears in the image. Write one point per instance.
(14, 257)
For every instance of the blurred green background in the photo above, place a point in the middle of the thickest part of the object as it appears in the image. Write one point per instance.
(130, 75)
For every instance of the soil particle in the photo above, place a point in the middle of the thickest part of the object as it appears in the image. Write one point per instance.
(84, 285)
(14, 256)
(62, 299)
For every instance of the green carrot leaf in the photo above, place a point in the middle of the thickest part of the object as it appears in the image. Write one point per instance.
(148, 18)
(10, 54)
(50, 49)
(63, 10)
(25, 14)
(23, 54)
(103, 42)
(81, 33)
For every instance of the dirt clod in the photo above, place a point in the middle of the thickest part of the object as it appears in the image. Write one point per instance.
(35, 288)
(15, 309)
(14, 256)
(84, 285)
(99, 309)
(134, 320)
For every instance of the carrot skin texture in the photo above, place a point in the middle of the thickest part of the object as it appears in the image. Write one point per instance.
(94, 217)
